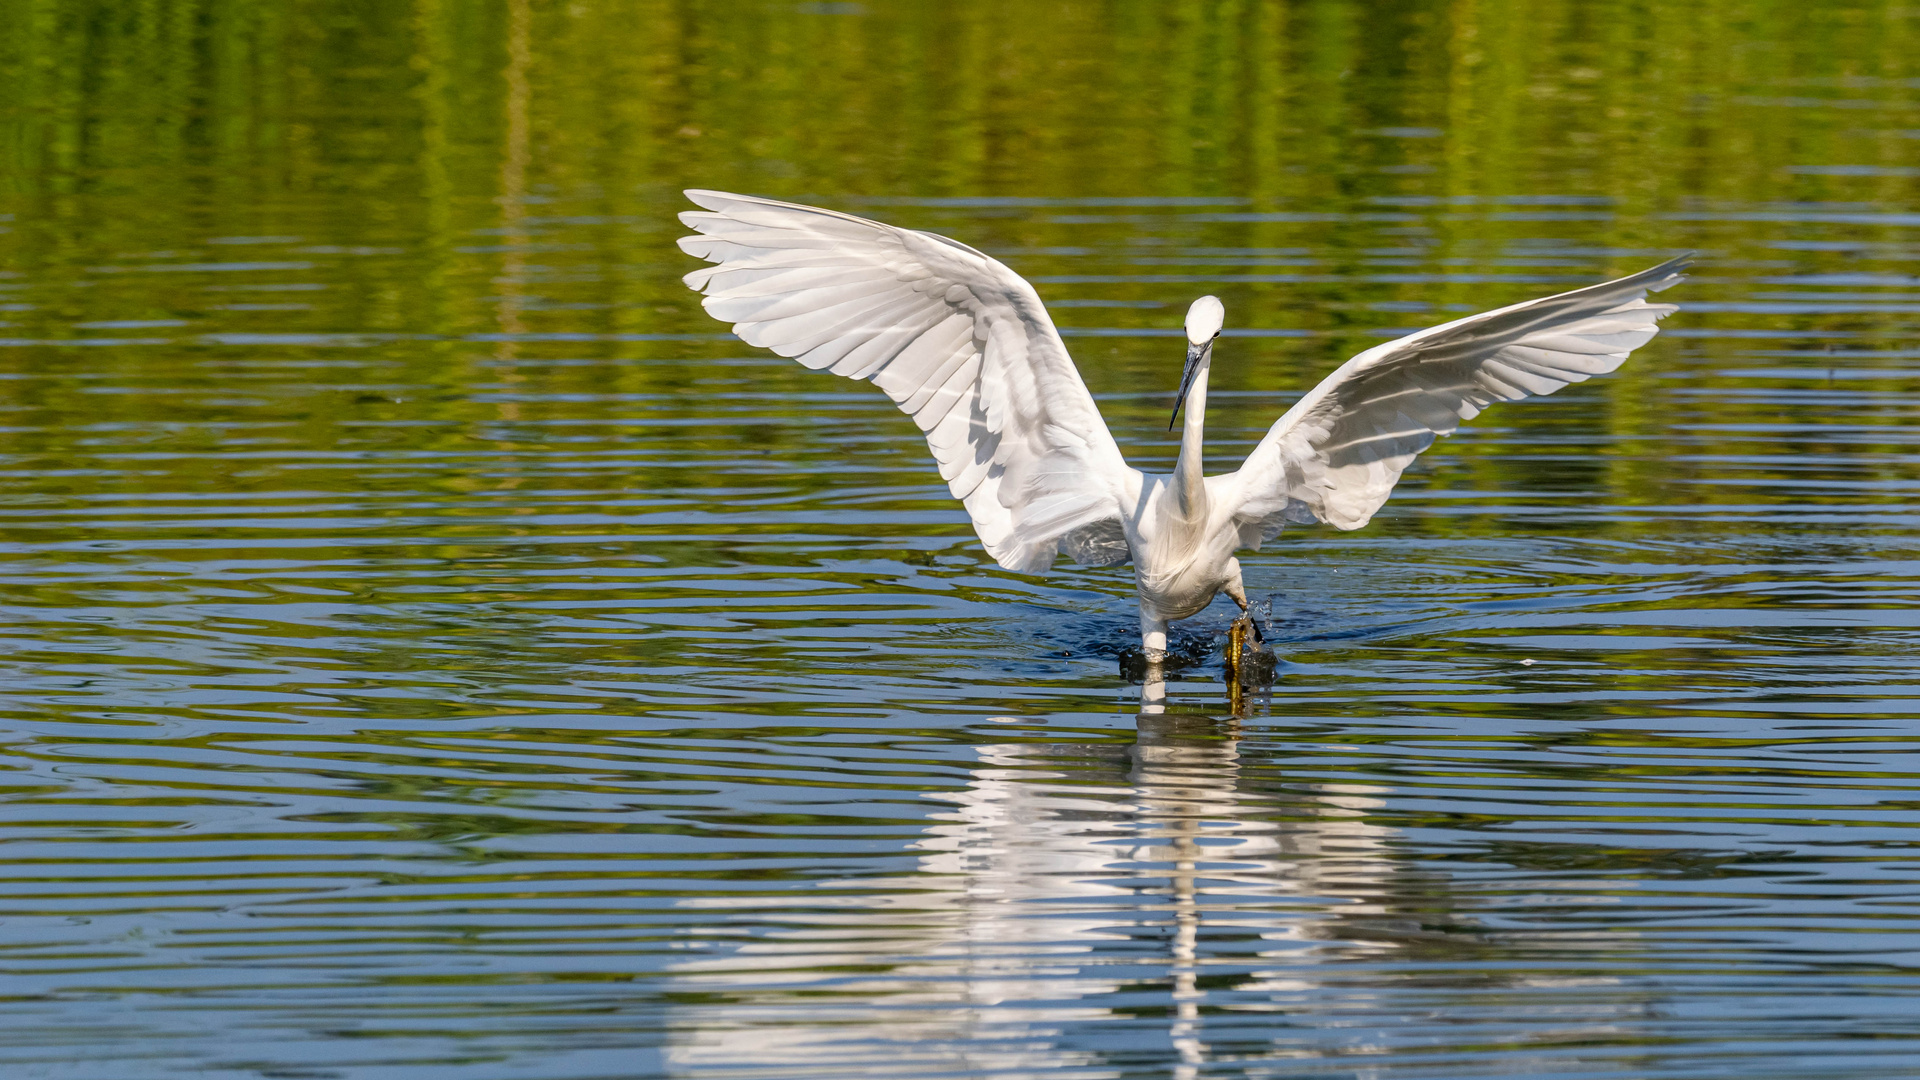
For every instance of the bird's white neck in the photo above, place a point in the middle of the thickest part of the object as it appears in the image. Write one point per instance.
(1189, 485)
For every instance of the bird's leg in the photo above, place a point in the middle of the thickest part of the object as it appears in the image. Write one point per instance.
(1149, 663)
(1153, 636)
(1249, 664)
(1236, 645)
(1238, 593)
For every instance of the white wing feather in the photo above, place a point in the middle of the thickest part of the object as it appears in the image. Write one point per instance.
(1336, 455)
(960, 342)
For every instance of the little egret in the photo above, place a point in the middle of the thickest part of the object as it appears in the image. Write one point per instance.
(964, 346)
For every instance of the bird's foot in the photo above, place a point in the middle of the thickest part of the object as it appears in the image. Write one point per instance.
(1250, 664)
(1185, 649)
(1141, 665)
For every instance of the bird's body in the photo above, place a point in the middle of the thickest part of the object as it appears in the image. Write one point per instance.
(964, 346)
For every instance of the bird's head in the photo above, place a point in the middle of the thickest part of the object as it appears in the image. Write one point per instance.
(1204, 319)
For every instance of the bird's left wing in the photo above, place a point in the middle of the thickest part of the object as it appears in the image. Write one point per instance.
(1335, 456)
(961, 343)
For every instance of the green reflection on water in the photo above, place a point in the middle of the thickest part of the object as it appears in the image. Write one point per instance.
(1348, 130)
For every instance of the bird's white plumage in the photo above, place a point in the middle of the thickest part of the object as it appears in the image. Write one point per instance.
(1205, 317)
(961, 343)
(1338, 452)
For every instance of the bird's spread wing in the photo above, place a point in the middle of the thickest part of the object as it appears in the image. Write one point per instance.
(961, 343)
(1335, 456)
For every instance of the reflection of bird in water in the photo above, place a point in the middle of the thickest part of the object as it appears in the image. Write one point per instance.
(1062, 874)
(1181, 902)
(964, 346)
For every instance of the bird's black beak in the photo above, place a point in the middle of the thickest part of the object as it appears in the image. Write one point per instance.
(1196, 356)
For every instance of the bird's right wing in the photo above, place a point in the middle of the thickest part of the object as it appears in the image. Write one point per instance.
(1335, 456)
(961, 343)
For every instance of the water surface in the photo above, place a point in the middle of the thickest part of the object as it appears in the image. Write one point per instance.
(432, 648)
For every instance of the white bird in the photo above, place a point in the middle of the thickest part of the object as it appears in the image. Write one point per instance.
(964, 346)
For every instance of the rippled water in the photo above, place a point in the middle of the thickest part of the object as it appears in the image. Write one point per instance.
(432, 648)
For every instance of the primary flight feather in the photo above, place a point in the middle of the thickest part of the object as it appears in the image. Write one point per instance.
(964, 346)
